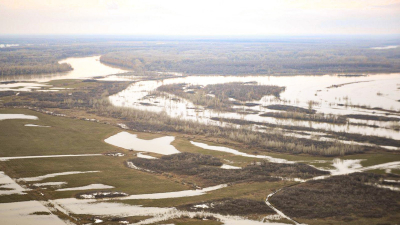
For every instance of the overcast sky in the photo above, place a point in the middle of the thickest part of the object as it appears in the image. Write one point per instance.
(205, 17)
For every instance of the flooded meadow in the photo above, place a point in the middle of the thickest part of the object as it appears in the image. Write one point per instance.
(370, 105)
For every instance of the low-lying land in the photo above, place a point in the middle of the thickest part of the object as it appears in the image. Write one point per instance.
(275, 56)
(290, 108)
(331, 134)
(114, 173)
(318, 117)
(344, 198)
(207, 169)
(90, 98)
(77, 120)
(218, 96)
(371, 117)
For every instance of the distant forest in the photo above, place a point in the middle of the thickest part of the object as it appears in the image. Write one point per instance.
(279, 56)
(40, 58)
(264, 58)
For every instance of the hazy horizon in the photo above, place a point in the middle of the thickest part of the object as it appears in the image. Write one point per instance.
(206, 18)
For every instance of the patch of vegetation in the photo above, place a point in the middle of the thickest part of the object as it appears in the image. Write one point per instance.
(80, 98)
(217, 96)
(230, 206)
(266, 57)
(290, 108)
(196, 220)
(41, 213)
(332, 134)
(340, 197)
(369, 108)
(90, 219)
(371, 117)
(100, 194)
(205, 167)
(243, 91)
(318, 117)
(91, 97)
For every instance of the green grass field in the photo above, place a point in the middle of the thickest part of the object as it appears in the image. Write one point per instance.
(72, 136)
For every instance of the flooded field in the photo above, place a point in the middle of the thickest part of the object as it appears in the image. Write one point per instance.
(376, 95)
(21, 213)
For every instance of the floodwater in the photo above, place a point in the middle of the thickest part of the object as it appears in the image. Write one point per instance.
(8, 45)
(385, 47)
(17, 116)
(236, 152)
(158, 214)
(87, 187)
(21, 213)
(144, 156)
(39, 178)
(345, 166)
(341, 166)
(94, 207)
(45, 156)
(381, 90)
(8, 186)
(84, 67)
(34, 125)
(130, 141)
(49, 184)
(21, 86)
(330, 94)
(176, 194)
(230, 167)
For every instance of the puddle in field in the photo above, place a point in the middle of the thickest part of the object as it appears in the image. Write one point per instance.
(229, 167)
(17, 116)
(389, 165)
(129, 141)
(236, 152)
(8, 186)
(94, 207)
(34, 125)
(346, 166)
(21, 213)
(87, 187)
(45, 156)
(176, 194)
(22, 86)
(49, 184)
(144, 156)
(39, 178)
(390, 187)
